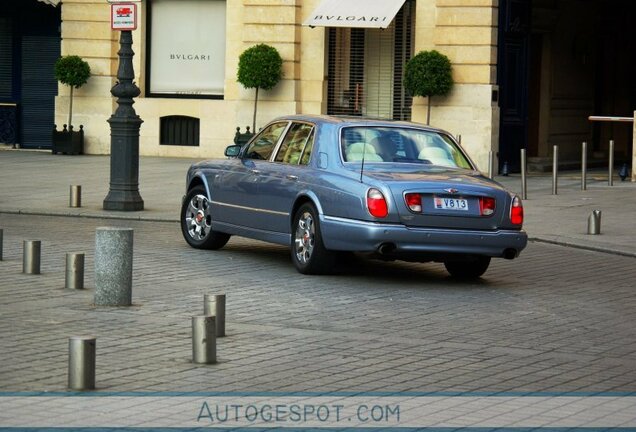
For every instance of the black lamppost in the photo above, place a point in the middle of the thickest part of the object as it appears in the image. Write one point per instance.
(124, 135)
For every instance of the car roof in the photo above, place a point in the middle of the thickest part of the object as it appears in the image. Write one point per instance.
(356, 121)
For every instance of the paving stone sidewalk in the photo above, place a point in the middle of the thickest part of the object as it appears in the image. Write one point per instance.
(556, 320)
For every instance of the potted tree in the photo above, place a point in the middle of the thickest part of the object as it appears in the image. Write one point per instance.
(428, 74)
(72, 71)
(260, 66)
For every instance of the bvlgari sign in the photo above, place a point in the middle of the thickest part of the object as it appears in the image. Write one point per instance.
(351, 19)
(354, 13)
(187, 48)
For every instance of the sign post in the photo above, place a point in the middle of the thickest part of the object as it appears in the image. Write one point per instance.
(124, 194)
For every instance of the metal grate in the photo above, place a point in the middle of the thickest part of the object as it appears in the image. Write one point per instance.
(366, 67)
(6, 59)
(179, 130)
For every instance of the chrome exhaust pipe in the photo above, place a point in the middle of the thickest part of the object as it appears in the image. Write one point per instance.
(510, 254)
(386, 248)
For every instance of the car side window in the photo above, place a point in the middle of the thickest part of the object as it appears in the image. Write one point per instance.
(295, 143)
(264, 143)
(304, 160)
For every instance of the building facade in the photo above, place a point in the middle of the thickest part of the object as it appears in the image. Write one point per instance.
(527, 73)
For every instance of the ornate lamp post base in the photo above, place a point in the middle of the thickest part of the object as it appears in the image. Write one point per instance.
(124, 136)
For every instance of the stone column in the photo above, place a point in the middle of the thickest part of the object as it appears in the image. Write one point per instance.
(113, 266)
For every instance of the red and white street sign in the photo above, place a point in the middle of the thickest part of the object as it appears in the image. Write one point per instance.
(123, 16)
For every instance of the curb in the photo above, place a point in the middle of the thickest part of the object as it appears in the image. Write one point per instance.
(605, 250)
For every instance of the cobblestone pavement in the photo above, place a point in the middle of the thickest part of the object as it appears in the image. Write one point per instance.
(555, 320)
(35, 182)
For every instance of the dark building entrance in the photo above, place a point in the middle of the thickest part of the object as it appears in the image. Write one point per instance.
(29, 47)
(560, 61)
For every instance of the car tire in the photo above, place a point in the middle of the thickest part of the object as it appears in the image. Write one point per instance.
(307, 249)
(468, 269)
(196, 221)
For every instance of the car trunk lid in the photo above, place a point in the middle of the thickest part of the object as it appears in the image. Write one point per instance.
(450, 198)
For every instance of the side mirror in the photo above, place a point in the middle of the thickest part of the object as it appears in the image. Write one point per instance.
(233, 150)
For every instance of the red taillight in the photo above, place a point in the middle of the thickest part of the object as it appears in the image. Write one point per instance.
(377, 204)
(516, 211)
(414, 202)
(486, 206)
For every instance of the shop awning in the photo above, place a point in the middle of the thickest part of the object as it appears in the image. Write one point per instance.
(354, 13)
(51, 2)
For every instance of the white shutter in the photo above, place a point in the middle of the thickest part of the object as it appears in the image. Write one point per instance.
(378, 72)
(365, 69)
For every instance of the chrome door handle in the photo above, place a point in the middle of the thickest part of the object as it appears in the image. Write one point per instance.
(291, 177)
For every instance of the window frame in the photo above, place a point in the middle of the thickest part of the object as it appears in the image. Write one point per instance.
(147, 81)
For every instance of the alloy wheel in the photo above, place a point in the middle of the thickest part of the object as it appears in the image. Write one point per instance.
(304, 238)
(198, 219)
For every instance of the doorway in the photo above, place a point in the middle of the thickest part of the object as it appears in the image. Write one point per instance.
(365, 68)
(29, 47)
(559, 62)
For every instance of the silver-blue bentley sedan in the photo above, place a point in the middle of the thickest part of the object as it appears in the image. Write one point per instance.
(323, 185)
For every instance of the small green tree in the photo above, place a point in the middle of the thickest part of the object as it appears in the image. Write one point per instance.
(72, 71)
(428, 74)
(260, 66)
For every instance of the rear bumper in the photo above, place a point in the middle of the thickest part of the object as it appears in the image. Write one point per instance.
(360, 236)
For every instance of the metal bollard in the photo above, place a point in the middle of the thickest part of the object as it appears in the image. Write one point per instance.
(74, 271)
(75, 199)
(1, 234)
(583, 165)
(214, 305)
(81, 363)
(594, 223)
(203, 339)
(555, 169)
(491, 164)
(524, 178)
(610, 174)
(113, 266)
(31, 256)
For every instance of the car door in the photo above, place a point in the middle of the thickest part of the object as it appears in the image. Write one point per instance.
(237, 197)
(287, 176)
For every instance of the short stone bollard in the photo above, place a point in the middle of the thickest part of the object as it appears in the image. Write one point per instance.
(204, 339)
(74, 271)
(113, 266)
(214, 305)
(75, 197)
(81, 362)
(31, 256)
(594, 223)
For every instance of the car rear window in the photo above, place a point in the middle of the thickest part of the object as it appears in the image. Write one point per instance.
(400, 145)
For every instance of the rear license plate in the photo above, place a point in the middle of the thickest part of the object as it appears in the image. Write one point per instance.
(451, 203)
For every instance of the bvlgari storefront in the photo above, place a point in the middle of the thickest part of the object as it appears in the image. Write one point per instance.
(527, 74)
(339, 57)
